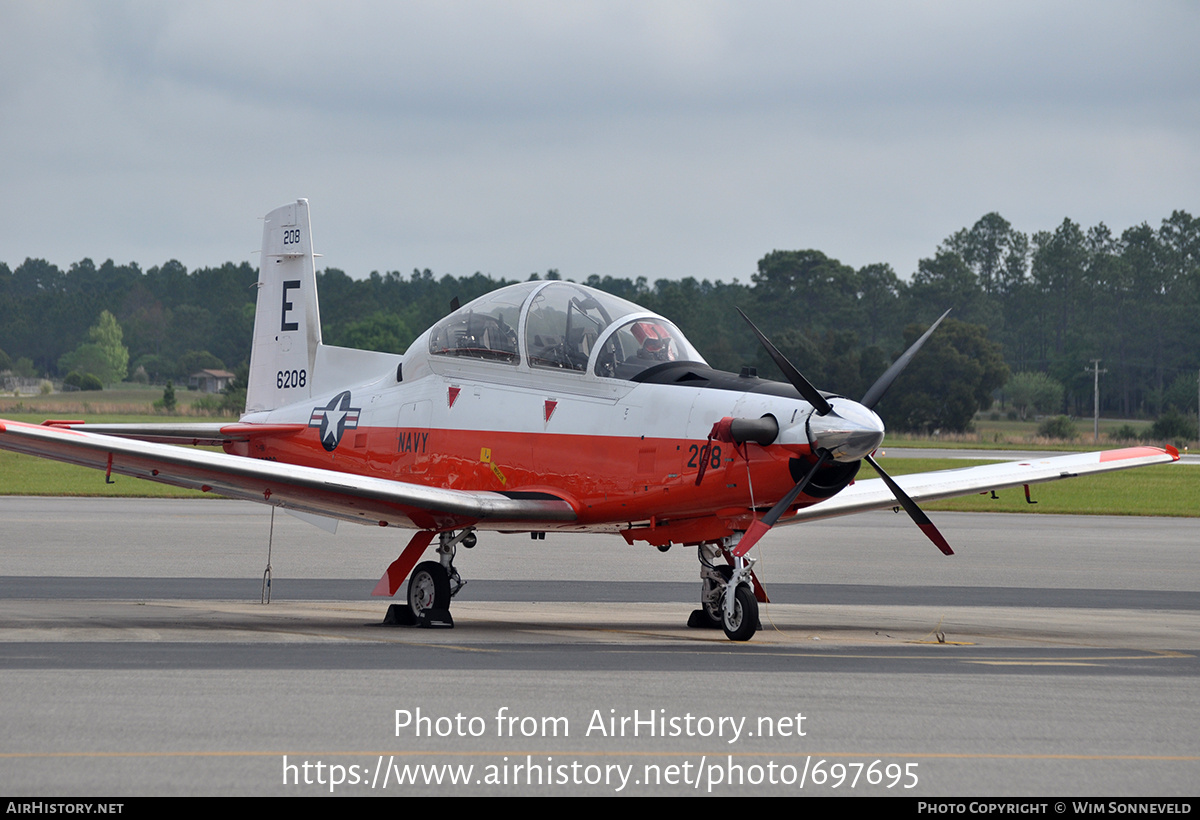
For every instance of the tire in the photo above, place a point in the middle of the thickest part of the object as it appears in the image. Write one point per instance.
(712, 609)
(428, 588)
(742, 625)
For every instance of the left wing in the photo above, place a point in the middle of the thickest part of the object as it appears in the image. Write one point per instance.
(873, 494)
(308, 489)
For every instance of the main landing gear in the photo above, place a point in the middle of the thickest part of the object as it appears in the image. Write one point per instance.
(726, 595)
(431, 585)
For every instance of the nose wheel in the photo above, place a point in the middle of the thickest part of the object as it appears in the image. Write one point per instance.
(727, 600)
(741, 623)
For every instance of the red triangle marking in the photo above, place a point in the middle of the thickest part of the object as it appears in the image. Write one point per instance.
(452, 395)
(550, 405)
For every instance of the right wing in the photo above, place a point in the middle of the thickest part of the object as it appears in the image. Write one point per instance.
(873, 494)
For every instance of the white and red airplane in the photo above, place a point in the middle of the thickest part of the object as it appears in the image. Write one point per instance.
(542, 406)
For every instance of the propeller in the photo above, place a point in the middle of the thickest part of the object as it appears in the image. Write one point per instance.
(852, 430)
(810, 393)
(873, 395)
(914, 512)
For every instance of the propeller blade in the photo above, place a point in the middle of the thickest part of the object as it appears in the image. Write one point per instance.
(882, 384)
(910, 507)
(761, 526)
(803, 385)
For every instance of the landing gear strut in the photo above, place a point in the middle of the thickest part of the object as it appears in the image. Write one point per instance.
(431, 586)
(726, 596)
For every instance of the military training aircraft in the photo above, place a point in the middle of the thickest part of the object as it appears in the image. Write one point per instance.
(542, 406)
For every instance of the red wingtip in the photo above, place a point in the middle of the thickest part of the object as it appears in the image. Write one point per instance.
(1173, 452)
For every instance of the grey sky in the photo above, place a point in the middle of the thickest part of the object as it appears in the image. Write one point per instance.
(624, 139)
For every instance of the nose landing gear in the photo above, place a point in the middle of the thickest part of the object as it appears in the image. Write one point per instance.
(727, 598)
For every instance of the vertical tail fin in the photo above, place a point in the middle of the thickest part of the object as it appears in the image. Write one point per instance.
(287, 322)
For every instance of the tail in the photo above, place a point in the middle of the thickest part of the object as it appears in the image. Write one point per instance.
(287, 322)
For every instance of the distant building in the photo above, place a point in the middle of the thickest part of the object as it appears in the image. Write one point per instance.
(210, 381)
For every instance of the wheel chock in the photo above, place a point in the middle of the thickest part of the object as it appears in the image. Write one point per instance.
(436, 619)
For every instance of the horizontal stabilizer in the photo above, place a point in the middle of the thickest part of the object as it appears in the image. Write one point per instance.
(199, 434)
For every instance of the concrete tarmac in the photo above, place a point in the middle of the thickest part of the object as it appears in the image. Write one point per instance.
(1053, 656)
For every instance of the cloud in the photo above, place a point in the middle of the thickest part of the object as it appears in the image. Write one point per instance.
(664, 139)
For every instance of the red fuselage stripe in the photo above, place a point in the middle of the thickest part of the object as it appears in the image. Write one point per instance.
(629, 478)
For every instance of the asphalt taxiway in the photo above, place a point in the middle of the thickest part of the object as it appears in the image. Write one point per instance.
(1053, 655)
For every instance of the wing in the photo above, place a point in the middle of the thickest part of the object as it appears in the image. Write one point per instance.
(307, 489)
(873, 494)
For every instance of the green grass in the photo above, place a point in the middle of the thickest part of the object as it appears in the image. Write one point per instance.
(899, 441)
(1170, 490)
(30, 475)
(1003, 434)
(1166, 489)
(38, 416)
(129, 401)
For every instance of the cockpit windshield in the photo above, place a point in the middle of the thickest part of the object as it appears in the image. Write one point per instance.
(642, 343)
(566, 327)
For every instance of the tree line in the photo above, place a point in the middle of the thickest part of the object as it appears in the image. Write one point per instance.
(1025, 310)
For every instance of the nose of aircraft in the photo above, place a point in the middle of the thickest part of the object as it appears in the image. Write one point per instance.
(842, 430)
(849, 432)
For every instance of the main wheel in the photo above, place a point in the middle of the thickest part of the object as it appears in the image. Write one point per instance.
(742, 625)
(712, 596)
(428, 588)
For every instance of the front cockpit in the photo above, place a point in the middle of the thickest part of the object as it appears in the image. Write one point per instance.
(558, 326)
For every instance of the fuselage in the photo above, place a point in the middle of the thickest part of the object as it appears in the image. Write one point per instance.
(604, 405)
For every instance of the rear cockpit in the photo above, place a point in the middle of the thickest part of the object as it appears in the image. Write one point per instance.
(484, 329)
(557, 326)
